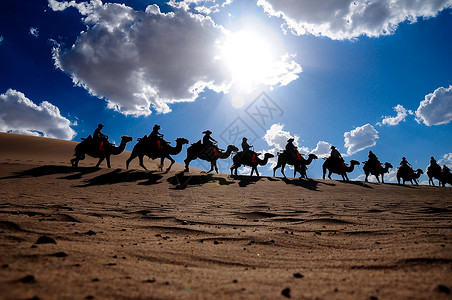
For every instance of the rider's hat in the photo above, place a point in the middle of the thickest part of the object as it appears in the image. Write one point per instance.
(100, 125)
(290, 140)
(207, 132)
(332, 147)
(156, 126)
(244, 139)
(404, 157)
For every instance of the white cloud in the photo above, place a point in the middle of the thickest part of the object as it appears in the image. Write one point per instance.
(34, 32)
(244, 170)
(18, 114)
(402, 113)
(446, 160)
(436, 108)
(348, 19)
(200, 6)
(360, 138)
(277, 138)
(141, 61)
(323, 149)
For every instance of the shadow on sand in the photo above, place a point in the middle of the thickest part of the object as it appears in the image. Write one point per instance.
(52, 170)
(181, 180)
(116, 176)
(309, 184)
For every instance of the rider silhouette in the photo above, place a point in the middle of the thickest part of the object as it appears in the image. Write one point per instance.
(156, 136)
(99, 137)
(208, 141)
(247, 150)
(405, 164)
(433, 162)
(373, 159)
(337, 156)
(292, 149)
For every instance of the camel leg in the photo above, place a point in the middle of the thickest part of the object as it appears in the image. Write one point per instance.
(367, 175)
(211, 167)
(132, 157)
(274, 170)
(140, 158)
(382, 178)
(378, 178)
(187, 163)
(172, 162)
(100, 161)
(108, 162)
(74, 162)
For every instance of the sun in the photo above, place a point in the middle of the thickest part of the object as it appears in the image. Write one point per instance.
(249, 56)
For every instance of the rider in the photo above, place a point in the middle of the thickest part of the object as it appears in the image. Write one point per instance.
(337, 156)
(247, 150)
(98, 136)
(156, 136)
(373, 159)
(208, 141)
(291, 148)
(404, 164)
(433, 162)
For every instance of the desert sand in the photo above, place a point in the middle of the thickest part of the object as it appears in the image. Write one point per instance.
(99, 233)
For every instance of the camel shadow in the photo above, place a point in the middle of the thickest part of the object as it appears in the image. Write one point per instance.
(358, 183)
(116, 176)
(245, 180)
(304, 183)
(182, 181)
(52, 170)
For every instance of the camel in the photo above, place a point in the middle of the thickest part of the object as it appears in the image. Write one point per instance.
(299, 164)
(148, 148)
(335, 166)
(443, 175)
(239, 160)
(446, 176)
(198, 150)
(376, 169)
(408, 174)
(434, 171)
(90, 147)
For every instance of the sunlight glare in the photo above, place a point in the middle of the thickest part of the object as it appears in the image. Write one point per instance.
(249, 56)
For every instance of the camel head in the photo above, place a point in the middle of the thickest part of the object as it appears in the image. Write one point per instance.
(388, 165)
(269, 155)
(126, 138)
(419, 171)
(233, 148)
(313, 156)
(182, 141)
(354, 162)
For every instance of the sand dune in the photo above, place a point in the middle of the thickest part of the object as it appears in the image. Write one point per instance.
(88, 233)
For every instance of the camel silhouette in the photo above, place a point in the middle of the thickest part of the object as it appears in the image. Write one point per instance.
(240, 159)
(408, 174)
(446, 176)
(150, 149)
(372, 168)
(198, 150)
(299, 165)
(435, 172)
(90, 147)
(335, 166)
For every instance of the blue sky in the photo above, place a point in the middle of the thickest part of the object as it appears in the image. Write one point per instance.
(359, 75)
